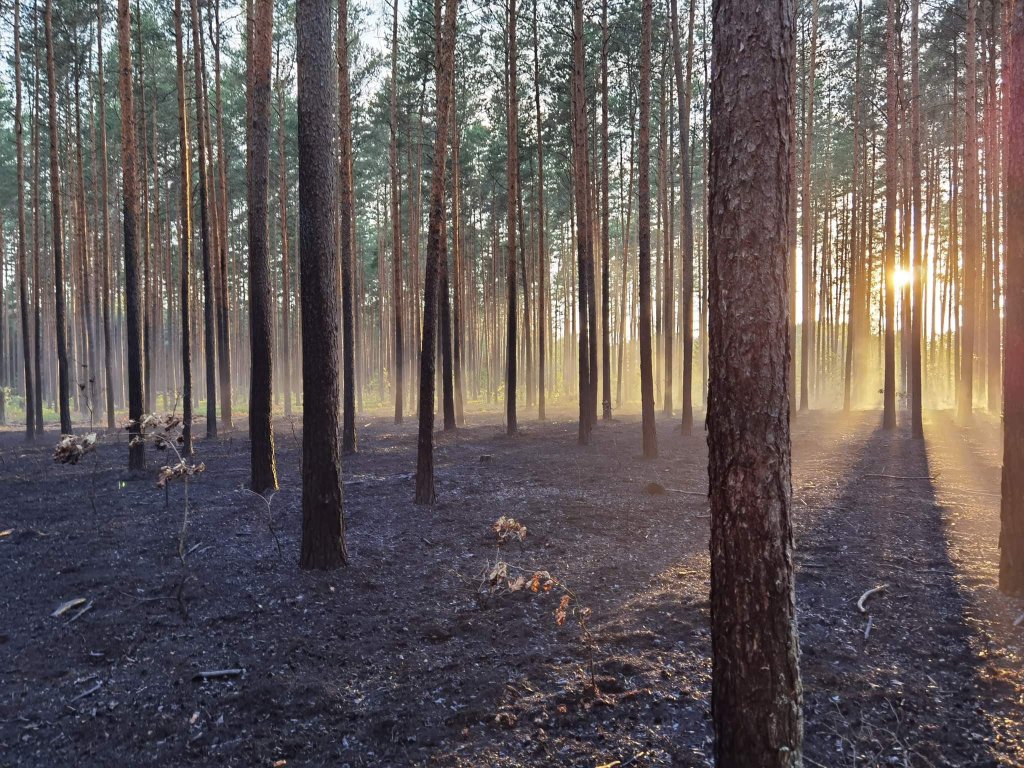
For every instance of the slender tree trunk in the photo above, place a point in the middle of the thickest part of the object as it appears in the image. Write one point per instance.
(323, 524)
(606, 351)
(756, 691)
(108, 342)
(133, 295)
(425, 493)
(917, 269)
(57, 226)
(220, 256)
(511, 289)
(398, 380)
(807, 320)
(889, 390)
(184, 235)
(26, 348)
(36, 228)
(263, 467)
(541, 225)
(972, 233)
(584, 242)
(1011, 536)
(345, 212)
(205, 226)
(650, 440)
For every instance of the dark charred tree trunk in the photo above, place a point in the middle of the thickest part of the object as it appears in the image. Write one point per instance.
(263, 466)
(57, 226)
(650, 439)
(1011, 536)
(425, 493)
(756, 692)
(345, 213)
(323, 524)
(511, 319)
(184, 236)
(584, 235)
(133, 291)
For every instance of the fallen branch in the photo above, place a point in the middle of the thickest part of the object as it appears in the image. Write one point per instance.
(867, 629)
(218, 674)
(866, 595)
(1017, 622)
(65, 607)
(88, 691)
(87, 607)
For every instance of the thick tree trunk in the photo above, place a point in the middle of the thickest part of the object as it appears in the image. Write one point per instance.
(133, 291)
(756, 692)
(261, 304)
(1011, 537)
(650, 440)
(323, 524)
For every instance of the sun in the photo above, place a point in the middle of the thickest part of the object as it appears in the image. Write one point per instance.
(902, 277)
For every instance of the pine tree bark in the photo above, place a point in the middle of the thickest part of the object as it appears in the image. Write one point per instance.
(425, 492)
(26, 334)
(108, 342)
(541, 225)
(584, 239)
(345, 211)
(263, 467)
(889, 388)
(756, 692)
(205, 227)
(650, 439)
(917, 263)
(807, 319)
(282, 195)
(133, 291)
(606, 352)
(323, 524)
(184, 235)
(511, 320)
(220, 266)
(57, 227)
(398, 352)
(972, 231)
(1011, 535)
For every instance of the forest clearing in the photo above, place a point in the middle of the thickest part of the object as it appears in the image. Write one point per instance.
(402, 659)
(584, 383)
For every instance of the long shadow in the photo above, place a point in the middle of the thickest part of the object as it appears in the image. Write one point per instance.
(900, 682)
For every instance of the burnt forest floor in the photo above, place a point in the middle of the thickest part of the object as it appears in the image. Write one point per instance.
(399, 660)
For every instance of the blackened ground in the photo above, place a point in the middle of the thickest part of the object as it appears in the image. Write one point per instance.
(399, 661)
